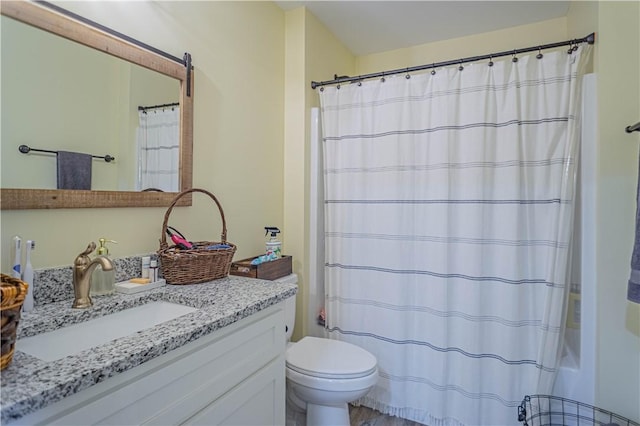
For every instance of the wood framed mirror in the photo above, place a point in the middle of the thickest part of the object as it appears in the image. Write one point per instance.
(61, 24)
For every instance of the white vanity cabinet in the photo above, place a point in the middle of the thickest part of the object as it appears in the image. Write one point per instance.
(233, 376)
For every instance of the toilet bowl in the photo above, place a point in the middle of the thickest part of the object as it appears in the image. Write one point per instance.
(324, 375)
(327, 374)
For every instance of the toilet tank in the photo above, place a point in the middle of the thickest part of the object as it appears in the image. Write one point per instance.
(289, 306)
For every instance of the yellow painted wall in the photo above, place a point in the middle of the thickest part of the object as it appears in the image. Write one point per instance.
(495, 41)
(312, 53)
(294, 154)
(617, 66)
(326, 56)
(238, 54)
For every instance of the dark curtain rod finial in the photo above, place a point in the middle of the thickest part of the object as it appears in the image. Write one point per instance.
(633, 128)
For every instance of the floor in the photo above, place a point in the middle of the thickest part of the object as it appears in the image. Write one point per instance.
(359, 416)
(365, 416)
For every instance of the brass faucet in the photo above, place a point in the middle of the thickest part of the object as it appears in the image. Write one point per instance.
(83, 267)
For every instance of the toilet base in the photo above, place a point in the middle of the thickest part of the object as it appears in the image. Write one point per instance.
(322, 415)
(294, 401)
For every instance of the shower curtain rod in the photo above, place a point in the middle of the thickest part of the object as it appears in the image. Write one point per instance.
(145, 108)
(588, 39)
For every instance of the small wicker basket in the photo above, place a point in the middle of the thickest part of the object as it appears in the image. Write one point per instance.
(12, 297)
(199, 264)
(548, 410)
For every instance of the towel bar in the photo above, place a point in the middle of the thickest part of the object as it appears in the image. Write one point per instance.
(634, 128)
(25, 149)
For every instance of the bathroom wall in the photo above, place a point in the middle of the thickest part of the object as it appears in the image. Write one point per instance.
(495, 41)
(238, 54)
(617, 67)
(312, 53)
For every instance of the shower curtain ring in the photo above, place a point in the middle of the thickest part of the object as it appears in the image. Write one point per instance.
(383, 79)
(433, 69)
(408, 76)
(490, 61)
(460, 68)
(515, 58)
(539, 55)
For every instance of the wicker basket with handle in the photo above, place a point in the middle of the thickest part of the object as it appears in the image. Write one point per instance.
(13, 294)
(199, 264)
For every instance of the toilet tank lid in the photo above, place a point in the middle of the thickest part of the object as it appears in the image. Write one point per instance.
(290, 279)
(330, 358)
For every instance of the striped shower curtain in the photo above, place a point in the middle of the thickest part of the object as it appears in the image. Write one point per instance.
(448, 217)
(158, 140)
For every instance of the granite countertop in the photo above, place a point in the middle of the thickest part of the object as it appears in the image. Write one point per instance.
(29, 384)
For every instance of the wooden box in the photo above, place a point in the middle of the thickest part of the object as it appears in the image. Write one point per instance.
(267, 271)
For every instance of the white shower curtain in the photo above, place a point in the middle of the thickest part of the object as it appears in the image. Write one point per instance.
(159, 149)
(448, 217)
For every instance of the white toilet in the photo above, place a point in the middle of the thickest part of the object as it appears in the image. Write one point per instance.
(323, 375)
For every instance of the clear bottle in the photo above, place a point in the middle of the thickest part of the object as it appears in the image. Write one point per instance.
(153, 271)
(103, 282)
(146, 264)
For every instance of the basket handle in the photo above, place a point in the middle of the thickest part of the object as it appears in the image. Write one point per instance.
(163, 237)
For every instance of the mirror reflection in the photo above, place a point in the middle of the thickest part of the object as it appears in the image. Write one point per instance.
(58, 95)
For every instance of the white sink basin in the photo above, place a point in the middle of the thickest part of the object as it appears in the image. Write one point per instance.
(78, 337)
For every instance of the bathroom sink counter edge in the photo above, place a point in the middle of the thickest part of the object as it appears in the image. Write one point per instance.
(29, 384)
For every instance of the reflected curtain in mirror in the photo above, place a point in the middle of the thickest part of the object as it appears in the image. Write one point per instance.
(158, 149)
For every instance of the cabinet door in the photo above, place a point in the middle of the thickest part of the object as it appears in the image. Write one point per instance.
(257, 401)
(174, 387)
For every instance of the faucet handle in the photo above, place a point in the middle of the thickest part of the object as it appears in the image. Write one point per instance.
(83, 258)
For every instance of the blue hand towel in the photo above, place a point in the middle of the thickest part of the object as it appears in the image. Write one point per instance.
(633, 291)
(74, 170)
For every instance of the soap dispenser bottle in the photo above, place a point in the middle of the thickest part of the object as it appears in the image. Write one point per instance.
(103, 282)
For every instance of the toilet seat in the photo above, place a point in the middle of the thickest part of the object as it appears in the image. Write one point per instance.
(330, 359)
(333, 386)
